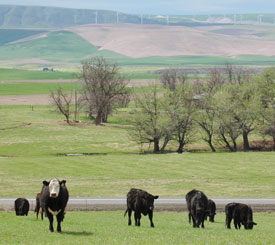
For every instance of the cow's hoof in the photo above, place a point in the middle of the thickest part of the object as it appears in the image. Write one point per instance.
(51, 230)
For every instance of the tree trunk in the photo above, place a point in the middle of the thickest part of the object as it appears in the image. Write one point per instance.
(181, 145)
(246, 146)
(156, 145)
(227, 143)
(98, 118)
(166, 140)
(234, 145)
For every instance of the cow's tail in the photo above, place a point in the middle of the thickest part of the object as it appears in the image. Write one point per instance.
(125, 212)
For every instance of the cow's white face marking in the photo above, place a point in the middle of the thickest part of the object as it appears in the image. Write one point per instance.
(54, 188)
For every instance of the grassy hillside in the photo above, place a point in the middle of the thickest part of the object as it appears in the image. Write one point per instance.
(57, 46)
(7, 35)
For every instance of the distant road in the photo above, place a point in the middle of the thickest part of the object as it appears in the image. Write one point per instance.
(161, 204)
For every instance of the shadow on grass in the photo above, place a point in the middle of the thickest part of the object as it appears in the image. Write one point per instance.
(77, 233)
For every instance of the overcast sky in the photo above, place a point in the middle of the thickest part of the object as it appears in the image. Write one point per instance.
(160, 6)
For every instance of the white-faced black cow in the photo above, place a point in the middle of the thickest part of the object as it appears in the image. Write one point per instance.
(197, 204)
(53, 200)
(242, 215)
(21, 206)
(141, 202)
(211, 210)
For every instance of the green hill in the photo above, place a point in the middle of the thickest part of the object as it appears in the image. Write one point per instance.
(7, 36)
(62, 46)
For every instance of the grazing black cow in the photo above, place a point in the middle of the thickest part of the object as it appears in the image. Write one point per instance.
(141, 202)
(197, 204)
(53, 200)
(21, 206)
(37, 208)
(242, 215)
(211, 210)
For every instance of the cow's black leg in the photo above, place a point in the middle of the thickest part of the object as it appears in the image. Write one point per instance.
(151, 218)
(228, 222)
(194, 221)
(50, 217)
(189, 217)
(236, 224)
(136, 219)
(202, 222)
(59, 218)
(129, 216)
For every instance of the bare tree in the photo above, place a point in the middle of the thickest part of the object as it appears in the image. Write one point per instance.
(63, 102)
(103, 86)
(171, 78)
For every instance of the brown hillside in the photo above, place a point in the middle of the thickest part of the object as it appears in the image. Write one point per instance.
(157, 40)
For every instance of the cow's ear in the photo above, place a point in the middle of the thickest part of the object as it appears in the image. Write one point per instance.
(254, 223)
(156, 197)
(63, 182)
(46, 183)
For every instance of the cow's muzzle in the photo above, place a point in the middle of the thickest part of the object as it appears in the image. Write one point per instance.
(53, 195)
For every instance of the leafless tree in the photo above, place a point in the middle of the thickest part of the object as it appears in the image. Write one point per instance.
(62, 101)
(171, 78)
(103, 86)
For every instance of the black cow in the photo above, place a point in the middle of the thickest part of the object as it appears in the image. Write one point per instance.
(37, 208)
(141, 202)
(242, 215)
(53, 200)
(211, 210)
(197, 204)
(21, 206)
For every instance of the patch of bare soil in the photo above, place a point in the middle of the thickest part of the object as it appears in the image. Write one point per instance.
(158, 40)
(37, 99)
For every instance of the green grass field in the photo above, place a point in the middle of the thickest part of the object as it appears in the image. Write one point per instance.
(11, 35)
(112, 228)
(38, 141)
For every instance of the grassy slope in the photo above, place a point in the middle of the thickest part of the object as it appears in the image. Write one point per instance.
(64, 46)
(7, 35)
(39, 149)
(57, 46)
(112, 228)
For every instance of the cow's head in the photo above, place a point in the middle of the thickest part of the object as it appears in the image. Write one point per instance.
(148, 200)
(54, 186)
(250, 225)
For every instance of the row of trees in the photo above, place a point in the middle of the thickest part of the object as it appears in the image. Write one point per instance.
(218, 110)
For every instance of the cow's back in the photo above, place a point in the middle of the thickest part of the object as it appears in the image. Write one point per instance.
(132, 197)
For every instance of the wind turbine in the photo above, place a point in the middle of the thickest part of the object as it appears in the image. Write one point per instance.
(96, 15)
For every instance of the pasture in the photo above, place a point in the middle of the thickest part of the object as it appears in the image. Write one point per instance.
(112, 228)
(34, 144)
